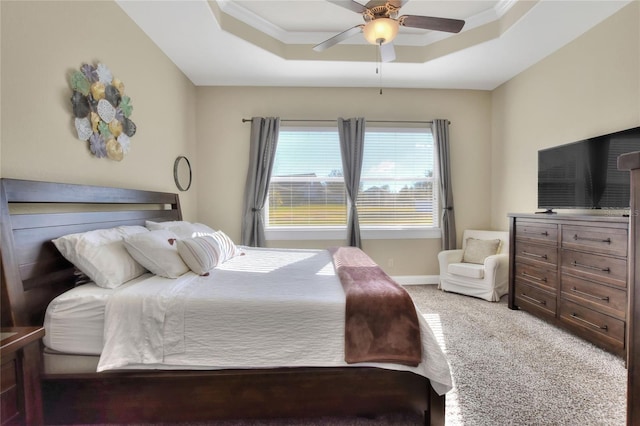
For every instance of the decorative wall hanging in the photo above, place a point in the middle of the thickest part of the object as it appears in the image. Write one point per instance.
(182, 173)
(102, 111)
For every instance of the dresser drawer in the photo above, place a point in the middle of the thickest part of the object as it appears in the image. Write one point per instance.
(595, 267)
(593, 325)
(534, 299)
(609, 300)
(536, 254)
(8, 375)
(21, 396)
(536, 275)
(600, 240)
(537, 232)
(9, 393)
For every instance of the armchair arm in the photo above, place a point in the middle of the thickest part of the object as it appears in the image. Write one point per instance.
(496, 265)
(449, 256)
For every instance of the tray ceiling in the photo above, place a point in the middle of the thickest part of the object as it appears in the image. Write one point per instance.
(269, 42)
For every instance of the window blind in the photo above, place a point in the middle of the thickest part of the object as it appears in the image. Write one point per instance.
(398, 179)
(307, 184)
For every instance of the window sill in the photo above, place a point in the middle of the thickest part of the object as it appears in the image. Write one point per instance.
(341, 234)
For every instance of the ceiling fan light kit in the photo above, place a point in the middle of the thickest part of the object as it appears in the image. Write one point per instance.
(381, 30)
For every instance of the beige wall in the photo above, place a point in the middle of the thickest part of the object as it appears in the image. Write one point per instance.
(41, 43)
(223, 140)
(588, 88)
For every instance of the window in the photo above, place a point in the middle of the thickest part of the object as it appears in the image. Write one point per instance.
(307, 196)
(398, 180)
(306, 190)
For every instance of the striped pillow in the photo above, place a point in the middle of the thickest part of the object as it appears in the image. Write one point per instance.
(227, 248)
(203, 253)
(181, 228)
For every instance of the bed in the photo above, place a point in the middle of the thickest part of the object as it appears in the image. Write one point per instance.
(34, 213)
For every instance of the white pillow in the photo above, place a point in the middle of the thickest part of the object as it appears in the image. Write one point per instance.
(203, 253)
(101, 254)
(158, 252)
(181, 228)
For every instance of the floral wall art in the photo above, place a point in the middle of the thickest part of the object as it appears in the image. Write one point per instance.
(101, 111)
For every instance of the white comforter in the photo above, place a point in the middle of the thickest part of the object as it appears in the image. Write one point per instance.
(268, 308)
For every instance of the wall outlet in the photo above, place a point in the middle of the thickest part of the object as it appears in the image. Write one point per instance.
(391, 263)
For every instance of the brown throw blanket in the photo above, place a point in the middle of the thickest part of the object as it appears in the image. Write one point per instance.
(381, 323)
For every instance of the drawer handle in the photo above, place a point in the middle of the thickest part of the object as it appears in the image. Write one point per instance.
(594, 268)
(539, 256)
(543, 279)
(599, 327)
(544, 234)
(531, 299)
(597, 240)
(582, 293)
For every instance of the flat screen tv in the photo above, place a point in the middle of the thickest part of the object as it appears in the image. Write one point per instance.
(584, 174)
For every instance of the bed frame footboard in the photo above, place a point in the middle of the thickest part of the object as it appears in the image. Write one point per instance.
(190, 396)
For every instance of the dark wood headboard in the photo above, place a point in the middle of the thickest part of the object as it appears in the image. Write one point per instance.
(33, 213)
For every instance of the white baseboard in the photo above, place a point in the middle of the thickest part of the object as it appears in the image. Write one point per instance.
(416, 279)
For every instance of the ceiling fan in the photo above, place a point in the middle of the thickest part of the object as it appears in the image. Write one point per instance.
(382, 23)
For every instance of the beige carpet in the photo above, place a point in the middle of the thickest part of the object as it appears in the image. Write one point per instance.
(510, 368)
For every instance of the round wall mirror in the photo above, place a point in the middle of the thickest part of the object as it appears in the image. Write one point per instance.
(182, 173)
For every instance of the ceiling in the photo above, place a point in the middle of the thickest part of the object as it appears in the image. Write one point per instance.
(269, 42)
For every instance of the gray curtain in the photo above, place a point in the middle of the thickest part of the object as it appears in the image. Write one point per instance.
(264, 139)
(440, 130)
(351, 132)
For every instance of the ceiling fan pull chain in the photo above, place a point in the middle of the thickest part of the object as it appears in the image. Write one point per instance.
(378, 60)
(380, 65)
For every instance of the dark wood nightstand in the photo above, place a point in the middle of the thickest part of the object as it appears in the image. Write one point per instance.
(20, 391)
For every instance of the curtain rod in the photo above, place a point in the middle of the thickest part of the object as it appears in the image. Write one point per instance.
(244, 120)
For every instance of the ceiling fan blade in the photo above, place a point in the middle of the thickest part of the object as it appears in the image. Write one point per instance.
(338, 38)
(375, 3)
(432, 23)
(395, 3)
(387, 52)
(349, 4)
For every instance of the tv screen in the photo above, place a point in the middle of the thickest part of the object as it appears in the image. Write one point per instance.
(584, 174)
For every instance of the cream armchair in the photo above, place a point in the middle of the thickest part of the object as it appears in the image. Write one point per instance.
(480, 268)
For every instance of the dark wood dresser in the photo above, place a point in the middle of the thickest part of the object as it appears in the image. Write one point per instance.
(20, 390)
(631, 162)
(571, 270)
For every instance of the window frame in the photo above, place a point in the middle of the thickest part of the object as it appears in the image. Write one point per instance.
(332, 232)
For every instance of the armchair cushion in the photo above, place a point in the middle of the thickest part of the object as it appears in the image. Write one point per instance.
(469, 270)
(476, 251)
